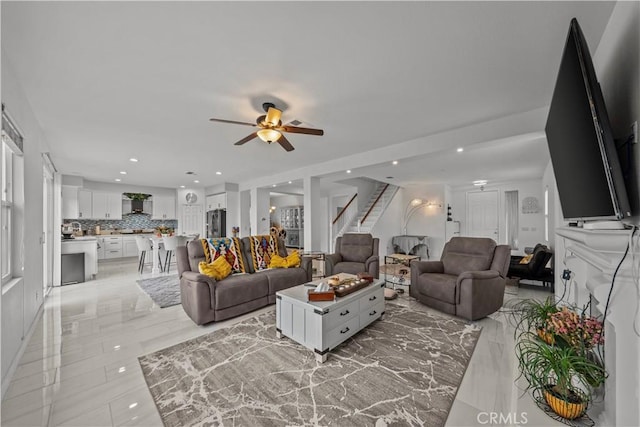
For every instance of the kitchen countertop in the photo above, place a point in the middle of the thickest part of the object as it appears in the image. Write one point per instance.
(81, 239)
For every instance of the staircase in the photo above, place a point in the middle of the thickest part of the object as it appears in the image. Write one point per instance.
(366, 219)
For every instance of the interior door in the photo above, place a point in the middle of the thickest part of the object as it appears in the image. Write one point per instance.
(192, 218)
(482, 214)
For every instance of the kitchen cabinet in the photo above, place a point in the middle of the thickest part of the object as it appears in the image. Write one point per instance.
(113, 247)
(85, 204)
(216, 201)
(69, 202)
(164, 207)
(129, 246)
(106, 205)
(88, 246)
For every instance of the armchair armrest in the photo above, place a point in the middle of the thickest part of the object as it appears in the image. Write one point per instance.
(197, 296)
(478, 275)
(372, 266)
(479, 293)
(306, 263)
(421, 267)
(330, 261)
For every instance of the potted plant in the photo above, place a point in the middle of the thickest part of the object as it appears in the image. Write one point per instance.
(555, 352)
(137, 196)
(164, 231)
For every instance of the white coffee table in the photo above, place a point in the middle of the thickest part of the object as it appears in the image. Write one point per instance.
(323, 325)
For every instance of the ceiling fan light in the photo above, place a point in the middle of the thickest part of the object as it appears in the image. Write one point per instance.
(269, 135)
(273, 116)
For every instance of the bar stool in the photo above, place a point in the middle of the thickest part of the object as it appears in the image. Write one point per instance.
(170, 245)
(144, 245)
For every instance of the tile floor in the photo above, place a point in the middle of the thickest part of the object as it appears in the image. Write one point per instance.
(80, 367)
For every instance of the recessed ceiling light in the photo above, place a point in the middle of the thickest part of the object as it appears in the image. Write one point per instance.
(480, 182)
(122, 369)
(118, 180)
(133, 405)
(196, 181)
(123, 172)
(348, 170)
(273, 185)
(460, 150)
(395, 162)
(182, 186)
(133, 159)
(218, 173)
(289, 182)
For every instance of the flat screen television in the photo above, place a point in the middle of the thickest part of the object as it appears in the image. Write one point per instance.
(581, 145)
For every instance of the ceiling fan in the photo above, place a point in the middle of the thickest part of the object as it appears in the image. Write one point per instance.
(271, 128)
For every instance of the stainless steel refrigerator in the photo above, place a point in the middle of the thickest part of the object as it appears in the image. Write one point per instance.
(217, 223)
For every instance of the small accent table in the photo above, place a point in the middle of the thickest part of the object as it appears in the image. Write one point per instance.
(323, 325)
(318, 258)
(399, 263)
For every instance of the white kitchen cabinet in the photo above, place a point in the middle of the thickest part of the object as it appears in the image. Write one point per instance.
(69, 202)
(164, 207)
(107, 205)
(113, 247)
(101, 248)
(88, 246)
(216, 201)
(85, 204)
(129, 246)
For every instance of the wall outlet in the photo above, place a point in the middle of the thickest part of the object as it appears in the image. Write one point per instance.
(566, 275)
(634, 130)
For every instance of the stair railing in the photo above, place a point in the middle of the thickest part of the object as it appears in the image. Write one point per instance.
(364, 218)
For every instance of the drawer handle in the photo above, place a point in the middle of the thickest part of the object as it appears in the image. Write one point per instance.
(373, 313)
(344, 313)
(345, 330)
(373, 298)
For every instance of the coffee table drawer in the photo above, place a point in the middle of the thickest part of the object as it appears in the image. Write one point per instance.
(341, 315)
(370, 314)
(344, 331)
(371, 299)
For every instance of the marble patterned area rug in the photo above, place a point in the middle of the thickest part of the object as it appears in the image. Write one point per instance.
(402, 370)
(163, 290)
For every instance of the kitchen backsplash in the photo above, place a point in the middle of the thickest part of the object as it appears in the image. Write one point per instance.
(128, 221)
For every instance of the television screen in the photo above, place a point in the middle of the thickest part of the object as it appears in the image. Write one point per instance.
(583, 154)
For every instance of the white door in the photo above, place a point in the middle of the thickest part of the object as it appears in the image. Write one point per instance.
(192, 219)
(482, 214)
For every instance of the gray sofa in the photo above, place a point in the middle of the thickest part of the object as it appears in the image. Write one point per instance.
(206, 300)
(468, 281)
(354, 253)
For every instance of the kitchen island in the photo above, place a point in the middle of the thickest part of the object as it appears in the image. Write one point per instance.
(87, 245)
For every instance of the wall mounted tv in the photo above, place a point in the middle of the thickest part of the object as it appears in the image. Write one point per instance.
(583, 153)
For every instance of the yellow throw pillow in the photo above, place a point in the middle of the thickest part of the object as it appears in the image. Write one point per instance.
(293, 260)
(218, 269)
(525, 259)
(278, 262)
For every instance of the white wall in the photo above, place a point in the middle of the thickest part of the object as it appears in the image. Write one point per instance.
(617, 64)
(20, 321)
(531, 225)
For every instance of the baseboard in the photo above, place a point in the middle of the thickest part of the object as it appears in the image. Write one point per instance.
(25, 341)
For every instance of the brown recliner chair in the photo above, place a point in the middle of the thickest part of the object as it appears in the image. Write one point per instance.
(468, 281)
(354, 253)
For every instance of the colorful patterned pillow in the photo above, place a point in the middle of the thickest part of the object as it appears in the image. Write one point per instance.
(262, 249)
(229, 248)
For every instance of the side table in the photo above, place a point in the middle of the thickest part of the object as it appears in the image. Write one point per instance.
(318, 258)
(399, 263)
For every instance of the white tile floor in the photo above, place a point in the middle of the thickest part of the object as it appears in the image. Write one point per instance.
(81, 369)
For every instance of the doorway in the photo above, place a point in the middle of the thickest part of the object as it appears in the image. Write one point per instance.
(482, 214)
(47, 229)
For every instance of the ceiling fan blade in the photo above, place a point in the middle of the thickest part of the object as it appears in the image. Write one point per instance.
(247, 138)
(233, 122)
(285, 143)
(306, 131)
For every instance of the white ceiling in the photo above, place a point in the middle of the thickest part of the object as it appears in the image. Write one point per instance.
(113, 80)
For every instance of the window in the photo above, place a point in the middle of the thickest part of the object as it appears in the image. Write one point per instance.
(546, 214)
(7, 209)
(10, 153)
(511, 218)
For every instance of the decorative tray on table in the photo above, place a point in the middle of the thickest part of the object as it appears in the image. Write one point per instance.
(347, 285)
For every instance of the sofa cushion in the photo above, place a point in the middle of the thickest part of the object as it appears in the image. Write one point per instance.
(462, 254)
(439, 286)
(283, 278)
(239, 289)
(356, 247)
(263, 247)
(195, 254)
(348, 267)
(229, 248)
